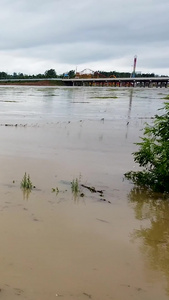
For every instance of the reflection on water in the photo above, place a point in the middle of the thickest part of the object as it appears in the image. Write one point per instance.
(130, 103)
(129, 110)
(50, 104)
(78, 199)
(26, 193)
(154, 236)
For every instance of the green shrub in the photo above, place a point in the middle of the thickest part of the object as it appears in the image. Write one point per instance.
(153, 155)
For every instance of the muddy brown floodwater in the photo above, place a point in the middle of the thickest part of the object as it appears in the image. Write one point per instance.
(56, 244)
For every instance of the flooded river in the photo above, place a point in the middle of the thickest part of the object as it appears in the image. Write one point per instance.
(112, 243)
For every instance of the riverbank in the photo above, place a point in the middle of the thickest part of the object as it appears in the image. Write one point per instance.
(32, 82)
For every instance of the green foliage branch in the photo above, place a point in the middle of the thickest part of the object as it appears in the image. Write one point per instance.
(153, 155)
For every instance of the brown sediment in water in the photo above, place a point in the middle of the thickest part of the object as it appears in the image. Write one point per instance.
(57, 244)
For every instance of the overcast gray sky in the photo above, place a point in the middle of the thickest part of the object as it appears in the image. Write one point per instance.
(37, 35)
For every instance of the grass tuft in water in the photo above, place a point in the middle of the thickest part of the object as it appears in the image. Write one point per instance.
(55, 190)
(26, 183)
(75, 186)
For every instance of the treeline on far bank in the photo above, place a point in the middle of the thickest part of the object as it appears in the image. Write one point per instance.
(51, 73)
(47, 74)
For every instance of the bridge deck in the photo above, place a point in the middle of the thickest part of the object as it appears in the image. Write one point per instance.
(137, 81)
(142, 81)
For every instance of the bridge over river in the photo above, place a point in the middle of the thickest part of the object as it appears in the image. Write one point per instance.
(125, 82)
(114, 82)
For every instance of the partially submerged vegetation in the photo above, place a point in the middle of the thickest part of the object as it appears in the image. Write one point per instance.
(166, 97)
(77, 190)
(75, 186)
(26, 183)
(153, 155)
(108, 97)
(55, 190)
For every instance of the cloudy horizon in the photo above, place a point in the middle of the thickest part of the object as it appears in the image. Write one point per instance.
(68, 35)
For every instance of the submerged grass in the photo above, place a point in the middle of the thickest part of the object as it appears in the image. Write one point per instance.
(108, 97)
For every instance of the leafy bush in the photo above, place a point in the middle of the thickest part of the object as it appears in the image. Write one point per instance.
(153, 155)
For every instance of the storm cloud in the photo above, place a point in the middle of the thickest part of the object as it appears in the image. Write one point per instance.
(68, 34)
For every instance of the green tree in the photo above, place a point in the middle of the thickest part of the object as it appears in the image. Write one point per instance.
(71, 74)
(3, 75)
(153, 155)
(50, 73)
